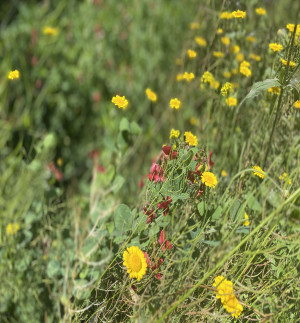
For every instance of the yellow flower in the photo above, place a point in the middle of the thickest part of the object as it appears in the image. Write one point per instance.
(234, 49)
(233, 306)
(190, 138)
(12, 228)
(151, 95)
(260, 11)
(227, 74)
(231, 101)
(179, 77)
(175, 103)
(226, 88)
(226, 15)
(240, 57)
(50, 31)
(285, 178)
(174, 133)
(297, 104)
(60, 161)
(120, 102)
(209, 179)
(220, 31)
(215, 84)
(14, 75)
(260, 172)
(251, 39)
(191, 53)
(207, 77)
(255, 57)
(188, 76)
(245, 68)
(194, 25)
(291, 28)
(224, 173)
(135, 262)
(225, 41)
(274, 89)
(218, 54)
(239, 14)
(284, 62)
(246, 222)
(201, 41)
(275, 47)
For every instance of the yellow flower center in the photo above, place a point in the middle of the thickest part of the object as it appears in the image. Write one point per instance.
(135, 262)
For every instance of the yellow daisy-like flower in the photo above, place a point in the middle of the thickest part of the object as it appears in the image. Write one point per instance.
(235, 49)
(251, 39)
(224, 173)
(226, 15)
(190, 138)
(274, 90)
(255, 57)
(135, 262)
(239, 14)
(201, 41)
(276, 47)
(284, 62)
(207, 77)
(226, 88)
(231, 101)
(188, 76)
(174, 133)
(12, 228)
(257, 168)
(14, 75)
(175, 103)
(191, 53)
(151, 95)
(297, 104)
(220, 31)
(245, 68)
(218, 54)
(260, 11)
(179, 77)
(194, 25)
(209, 179)
(225, 41)
(246, 222)
(120, 102)
(50, 31)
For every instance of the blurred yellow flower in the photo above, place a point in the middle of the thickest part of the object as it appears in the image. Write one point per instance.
(227, 74)
(178, 61)
(120, 102)
(240, 57)
(12, 228)
(255, 57)
(60, 161)
(226, 15)
(174, 133)
(194, 25)
(246, 222)
(258, 171)
(50, 31)
(234, 49)
(231, 101)
(226, 88)
(220, 31)
(245, 68)
(190, 138)
(260, 11)
(285, 177)
(274, 90)
(201, 41)
(239, 14)
(14, 75)
(224, 173)
(188, 76)
(275, 47)
(193, 121)
(151, 95)
(284, 62)
(225, 41)
(191, 53)
(175, 103)
(179, 77)
(251, 39)
(218, 54)
(297, 104)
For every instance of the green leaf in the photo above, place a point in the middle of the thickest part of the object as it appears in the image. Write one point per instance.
(118, 183)
(252, 203)
(124, 125)
(135, 129)
(122, 218)
(216, 215)
(200, 208)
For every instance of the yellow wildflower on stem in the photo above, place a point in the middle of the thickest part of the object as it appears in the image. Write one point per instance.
(175, 103)
(235, 49)
(274, 90)
(297, 104)
(188, 76)
(151, 95)
(194, 25)
(120, 102)
(224, 173)
(201, 41)
(14, 75)
(174, 133)
(190, 138)
(239, 14)
(218, 54)
(258, 171)
(226, 15)
(191, 53)
(291, 64)
(135, 262)
(231, 101)
(225, 41)
(50, 31)
(226, 88)
(220, 31)
(209, 179)
(12, 228)
(245, 68)
(246, 222)
(276, 47)
(260, 11)
(255, 57)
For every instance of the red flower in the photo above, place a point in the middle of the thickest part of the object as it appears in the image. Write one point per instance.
(167, 151)
(141, 182)
(210, 162)
(156, 173)
(154, 265)
(150, 213)
(165, 244)
(100, 169)
(165, 205)
(94, 154)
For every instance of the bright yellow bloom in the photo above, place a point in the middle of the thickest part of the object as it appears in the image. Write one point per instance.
(231, 101)
(209, 179)
(255, 57)
(174, 133)
(239, 14)
(207, 77)
(246, 222)
(175, 103)
(251, 39)
(257, 168)
(201, 41)
(135, 262)
(234, 49)
(260, 11)
(291, 28)
(224, 173)
(193, 121)
(194, 25)
(226, 15)
(190, 138)
(233, 306)
(284, 62)
(226, 88)
(227, 74)
(151, 95)
(120, 102)
(12, 228)
(50, 31)
(245, 68)
(191, 53)
(14, 75)
(274, 89)
(240, 57)
(297, 104)
(188, 76)
(220, 31)
(179, 77)
(218, 54)
(275, 47)
(225, 41)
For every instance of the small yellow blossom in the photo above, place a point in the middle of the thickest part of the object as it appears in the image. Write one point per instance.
(225, 41)
(240, 57)
(209, 179)
(175, 103)
(260, 11)
(50, 31)
(135, 262)
(188, 76)
(201, 41)
(218, 54)
(251, 39)
(190, 138)
(179, 77)
(284, 62)
(227, 74)
(245, 68)
(220, 31)
(207, 77)
(12, 228)
(191, 53)
(151, 95)
(194, 25)
(255, 57)
(231, 101)
(235, 49)
(258, 171)
(239, 14)
(275, 47)
(215, 84)
(226, 15)
(274, 90)
(297, 104)
(226, 88)
(224, 173)
(193, 121)
(120, 102)
(174, 133)
(291, 28)
(285, 177)
(235, 71)
(246, 222)
(14, 75)
(60, 161)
